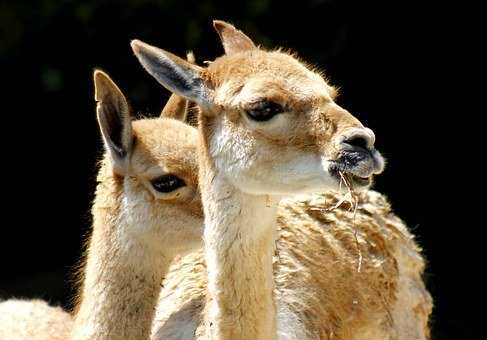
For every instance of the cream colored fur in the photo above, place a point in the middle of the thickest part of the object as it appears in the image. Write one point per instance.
(33, 319)
(137, 230)
(320, 291)
(246, 165)
(330, 281)
(312, 300)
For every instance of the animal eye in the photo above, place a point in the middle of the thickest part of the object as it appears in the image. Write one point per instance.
(264, 110)
(167, 183)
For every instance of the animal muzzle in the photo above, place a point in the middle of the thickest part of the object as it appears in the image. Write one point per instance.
(357, 155)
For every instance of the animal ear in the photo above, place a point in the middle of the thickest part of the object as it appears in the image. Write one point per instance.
(177, 107)
(175, 74)
(114, 119)
(233, 40)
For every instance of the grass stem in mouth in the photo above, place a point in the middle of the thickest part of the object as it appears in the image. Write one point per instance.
(353, 204)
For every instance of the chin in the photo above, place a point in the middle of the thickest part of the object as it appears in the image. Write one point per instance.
(286, 184)
(308, 178)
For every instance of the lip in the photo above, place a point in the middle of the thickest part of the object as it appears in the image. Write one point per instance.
(357, 167)
(342, 173)
(359, 181)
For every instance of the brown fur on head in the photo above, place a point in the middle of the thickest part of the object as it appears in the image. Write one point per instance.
(268, 121)
(148, 178)
(156, 162)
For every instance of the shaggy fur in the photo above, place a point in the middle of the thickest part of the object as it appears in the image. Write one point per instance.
(136, 229)
(339, 274)
(33, 319)
(320, 294)
(246, 165)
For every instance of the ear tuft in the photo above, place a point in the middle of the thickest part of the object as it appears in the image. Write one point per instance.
(114, 120)
(233, 40)
(190, 57)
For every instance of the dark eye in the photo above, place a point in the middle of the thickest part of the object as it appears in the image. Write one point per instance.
(264, 110)
(167, 183)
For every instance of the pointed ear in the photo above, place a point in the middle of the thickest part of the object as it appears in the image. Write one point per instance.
(233, 40)
(177, 107)
(114, 120)
(175, 74)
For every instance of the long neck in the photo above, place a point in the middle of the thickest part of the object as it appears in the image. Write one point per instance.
(122, 275)
(239, 244)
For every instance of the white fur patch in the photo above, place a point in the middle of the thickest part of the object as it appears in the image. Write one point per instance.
(263, 170)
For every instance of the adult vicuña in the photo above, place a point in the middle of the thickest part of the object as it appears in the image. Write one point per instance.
(320, 291)
(268, 127)
(340, 273)
(147, 210)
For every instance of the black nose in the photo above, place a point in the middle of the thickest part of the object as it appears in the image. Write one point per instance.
(360, 139)
(358, 155)
(357, 141)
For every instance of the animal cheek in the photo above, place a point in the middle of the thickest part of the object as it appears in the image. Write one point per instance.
(233, 116)
(332, 152)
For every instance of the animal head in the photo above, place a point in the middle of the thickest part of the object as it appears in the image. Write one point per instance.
(269, 122)
(154, 164)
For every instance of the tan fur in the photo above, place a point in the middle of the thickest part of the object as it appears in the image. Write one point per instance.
(245, 310)
(320, 292)
(33, 319)
(245, 168)
(136, 230)
(317, 279)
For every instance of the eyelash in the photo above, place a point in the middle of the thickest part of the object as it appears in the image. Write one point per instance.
(167, 183)
(264, 110)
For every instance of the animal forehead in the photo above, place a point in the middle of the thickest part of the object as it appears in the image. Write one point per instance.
(164, 145)
(163, 137)
(259, 72)
(164, 132)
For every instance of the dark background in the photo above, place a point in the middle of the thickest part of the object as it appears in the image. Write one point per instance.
(396, 66)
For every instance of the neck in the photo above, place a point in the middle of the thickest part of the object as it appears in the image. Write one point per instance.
(239, 244)
(122, 276)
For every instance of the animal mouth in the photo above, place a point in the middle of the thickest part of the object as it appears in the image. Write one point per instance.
(356, 168)
(358, 181)
(348, 178)
(353, 180)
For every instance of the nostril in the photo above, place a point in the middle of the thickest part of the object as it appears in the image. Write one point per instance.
(357, 141)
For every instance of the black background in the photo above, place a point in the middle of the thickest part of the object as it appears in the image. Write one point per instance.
(395, 63)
